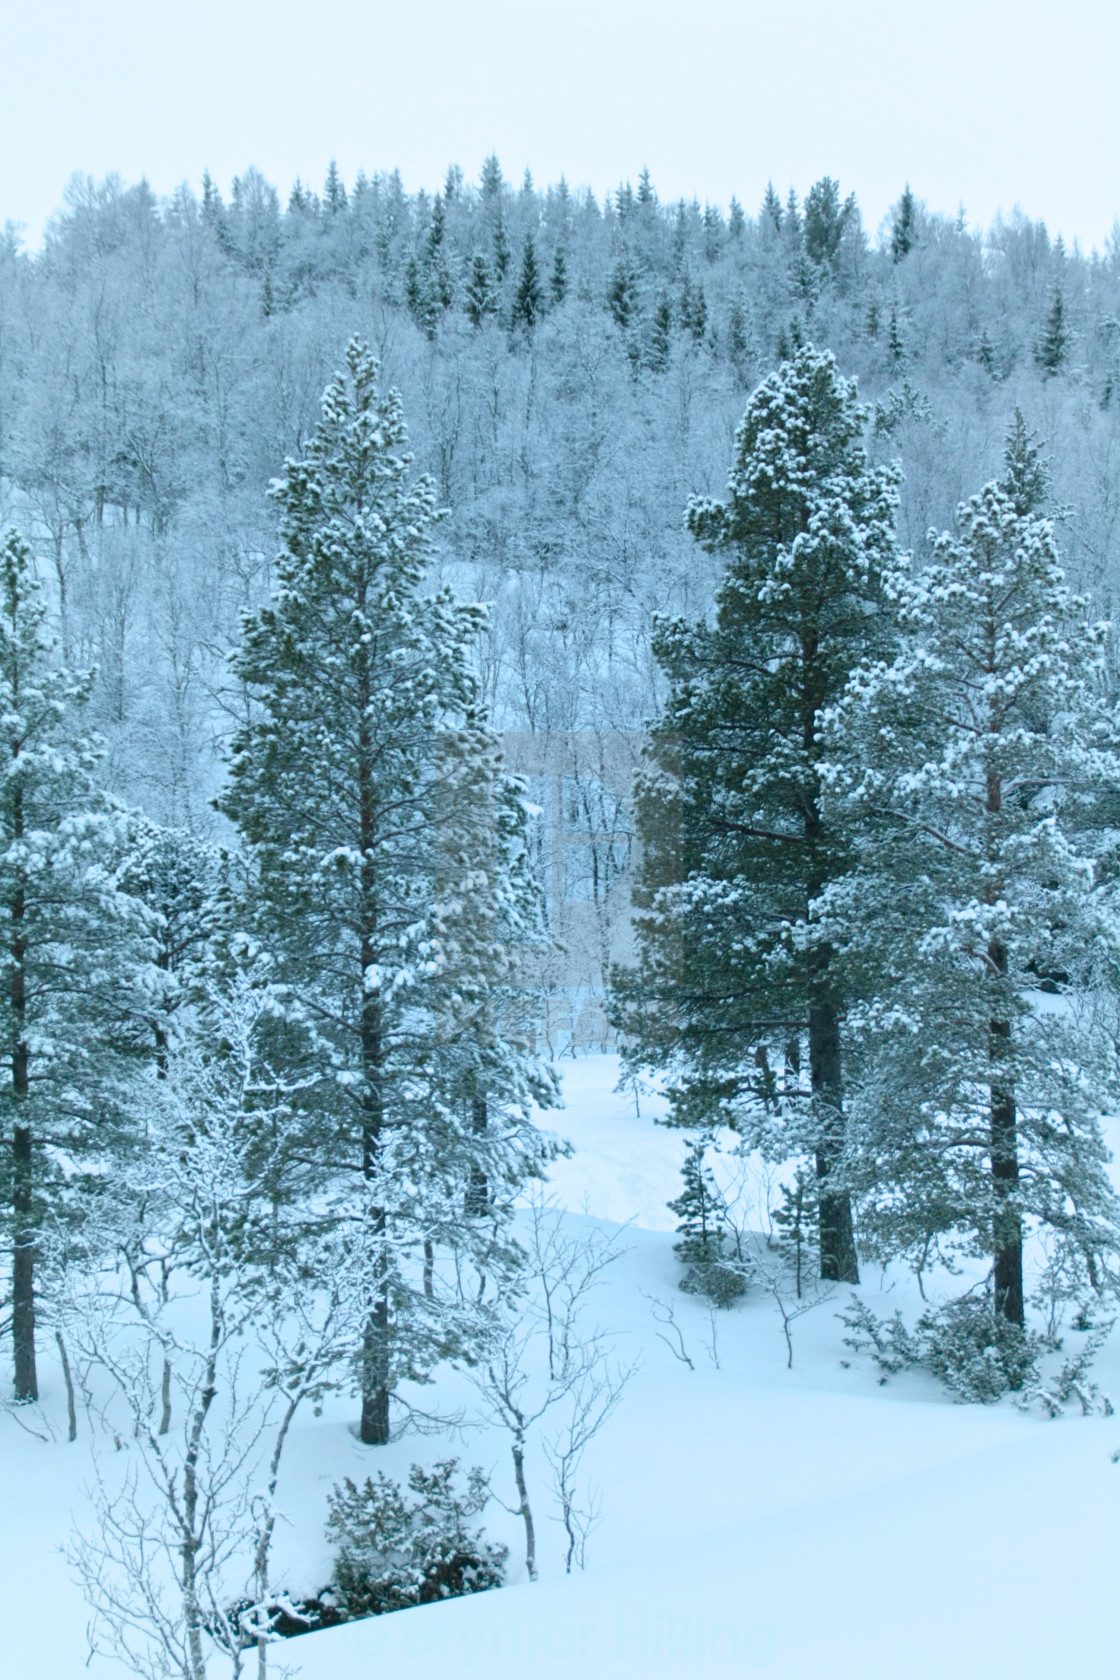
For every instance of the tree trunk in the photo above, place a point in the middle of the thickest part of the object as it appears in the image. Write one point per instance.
(478, 1189)
(526, 1511)
(23, 1268)
(1007, 1222)
(837, 1237)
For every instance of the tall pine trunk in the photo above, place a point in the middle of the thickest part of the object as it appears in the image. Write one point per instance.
(836, 1234)
(23, 1192)
(373, 1427)
(837, 1237)
(1007, 1223)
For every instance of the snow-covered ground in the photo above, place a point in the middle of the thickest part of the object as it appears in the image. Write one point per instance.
(755, 1518)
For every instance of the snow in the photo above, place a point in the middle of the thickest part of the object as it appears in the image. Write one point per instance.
(755, 1518)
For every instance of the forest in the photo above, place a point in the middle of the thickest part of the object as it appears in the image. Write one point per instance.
(447, 636)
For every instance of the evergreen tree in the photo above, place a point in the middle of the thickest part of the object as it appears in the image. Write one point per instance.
(528, 302)
(334, 193)
(693, 309)
(1026, 472)
(967, 760)
(661, 335)
(1053, 345)
(904, 226)
(502, 252)
(736, 221)
(389, 863)
(74, 965)
(622, 292)
(736, 846)
(705, 1245)
(558, 285)
(646, 194)
(771, 211)
(479, 300)
(825, 220)
(491, 179)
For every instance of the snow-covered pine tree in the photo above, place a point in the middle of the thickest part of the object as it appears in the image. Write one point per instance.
(736, 845)
(970, 760)
(389, 860)
(74, 951)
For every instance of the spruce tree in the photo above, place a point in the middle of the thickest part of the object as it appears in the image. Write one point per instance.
(558, 284)
(1053, 345)
(528, 302)
(74, 953)
(389, 864)
(479, 300)
(969, 760)
(736, 846)
(904, 226)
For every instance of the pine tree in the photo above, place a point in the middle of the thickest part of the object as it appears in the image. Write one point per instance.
(771, 211)
(502, 252)
(1026, 472)
(895, 344)
(622, 292)
(491, 179)
(661, 335)
(704, 1246)
(334, 193)
(736, 221)
(735, 843)
(967, 759)
(1053, 345)
(693, 309)
(825, 220)
(558, 285)
(528, 302)
(389, 861)
(646, 194)
(479, 300)
(74, 946)
(904, 226)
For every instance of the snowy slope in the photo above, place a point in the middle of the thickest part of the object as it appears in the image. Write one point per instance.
(793, 1522)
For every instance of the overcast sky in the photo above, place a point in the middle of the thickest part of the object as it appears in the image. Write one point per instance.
(985, 103)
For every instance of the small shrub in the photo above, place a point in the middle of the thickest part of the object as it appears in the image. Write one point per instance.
(394, 1552)
(707, 1246)
(978, 1354)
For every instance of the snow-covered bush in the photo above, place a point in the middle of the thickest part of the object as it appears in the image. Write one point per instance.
(977, 1353)
(394, 1552)
(708, 1246)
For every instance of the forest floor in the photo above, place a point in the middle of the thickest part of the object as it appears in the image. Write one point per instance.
(756, 1518)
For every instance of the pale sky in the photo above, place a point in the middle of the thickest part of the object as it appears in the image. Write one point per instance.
(985, 103)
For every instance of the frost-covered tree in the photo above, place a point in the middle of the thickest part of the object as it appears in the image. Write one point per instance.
(973, 761)
(737, 844)
(73, 947)
(390, 872)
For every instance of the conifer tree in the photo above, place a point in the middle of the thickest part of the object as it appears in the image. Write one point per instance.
(528, 302)
(622, 292)
(968, 759)
(334, 193)
(558, 284)
(479, 300)
(736, 846)
(74, 966)
(389, 858)
(661, 335)
(1053, 345)
(904, 226)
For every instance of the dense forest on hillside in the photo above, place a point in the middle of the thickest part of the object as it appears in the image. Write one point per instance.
(572, 371)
